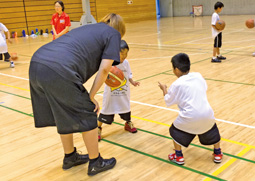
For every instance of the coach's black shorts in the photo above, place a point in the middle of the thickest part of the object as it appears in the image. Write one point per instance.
(218, 41)
(60, 102)
(108, 119)
(210, 137)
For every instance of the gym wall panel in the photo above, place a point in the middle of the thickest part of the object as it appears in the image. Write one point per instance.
(12, 15)
(137, 11)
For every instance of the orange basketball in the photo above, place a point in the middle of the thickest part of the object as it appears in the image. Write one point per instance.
(250, 23)
(14, 56)
(220, 25)
(115, 77)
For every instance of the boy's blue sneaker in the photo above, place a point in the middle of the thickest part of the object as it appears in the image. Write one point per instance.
(216, 60)
(221, 57)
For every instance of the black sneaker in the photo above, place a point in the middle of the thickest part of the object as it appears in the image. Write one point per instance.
(216, 60)
(74, 160)
(6, 60)
(101, 165)
(221, 57)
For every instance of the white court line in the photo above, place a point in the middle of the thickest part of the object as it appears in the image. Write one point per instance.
(13, 76)
(158, 45)
(159, 107)
(164, 57)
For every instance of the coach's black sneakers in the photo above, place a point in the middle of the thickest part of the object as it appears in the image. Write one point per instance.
(221, 57)
(75, 159)
(216, 60)
(101, 165)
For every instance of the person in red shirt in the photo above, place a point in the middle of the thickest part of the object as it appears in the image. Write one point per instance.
(60, 20)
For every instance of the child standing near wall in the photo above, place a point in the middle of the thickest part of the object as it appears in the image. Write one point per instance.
(217, 35)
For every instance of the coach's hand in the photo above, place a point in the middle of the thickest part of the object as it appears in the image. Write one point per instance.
(97, 108)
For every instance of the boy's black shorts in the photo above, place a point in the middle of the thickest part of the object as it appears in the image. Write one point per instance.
(108, 119)
(218, 40)
(59, 102)
(210, 137)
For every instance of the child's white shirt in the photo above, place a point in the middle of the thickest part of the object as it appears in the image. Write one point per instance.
(117, 101)
(189, 93)
(3, 45)
(215, 18)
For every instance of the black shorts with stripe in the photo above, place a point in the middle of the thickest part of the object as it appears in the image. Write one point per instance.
(108, 119)
(218, 41)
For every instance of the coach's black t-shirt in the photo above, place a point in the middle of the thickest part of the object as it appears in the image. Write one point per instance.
(77, 55)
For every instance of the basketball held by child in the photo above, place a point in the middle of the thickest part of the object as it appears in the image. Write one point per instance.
(115, 77)
(249, 23)
(220, 25)
(14, 56)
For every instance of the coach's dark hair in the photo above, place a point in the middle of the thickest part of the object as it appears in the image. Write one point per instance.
(218, 5)
(61, 4)
(181, 61)
(123, 45)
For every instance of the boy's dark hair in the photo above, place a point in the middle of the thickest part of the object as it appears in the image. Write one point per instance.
(123, 45)
(181, 61)
(218, 5)
(61, 4)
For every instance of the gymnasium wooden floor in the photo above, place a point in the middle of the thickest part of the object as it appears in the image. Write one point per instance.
(28, 153)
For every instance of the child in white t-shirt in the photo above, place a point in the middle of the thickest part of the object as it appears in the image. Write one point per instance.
(3, 44)
(117, 100)
(217, 35)
(196, 116)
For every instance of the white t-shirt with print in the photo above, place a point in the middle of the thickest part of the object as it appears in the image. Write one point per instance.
(189, 93)
(215, 18)
(117, 100)
(3, 45)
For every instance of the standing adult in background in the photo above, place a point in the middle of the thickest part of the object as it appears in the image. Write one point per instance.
(60, 20)
(57, 73)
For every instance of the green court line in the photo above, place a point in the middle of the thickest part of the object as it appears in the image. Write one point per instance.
(15, 95)
(226, 81)
(137, 151)
(156, 134)
(163, 160)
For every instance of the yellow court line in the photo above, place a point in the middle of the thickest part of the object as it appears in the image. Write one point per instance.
(238, 143)
(156, 122)
(168, 125)
(148, 120)
(230, 162)
(14, 87)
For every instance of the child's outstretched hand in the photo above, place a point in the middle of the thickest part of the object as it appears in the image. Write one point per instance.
(163, 88)
(136, 83)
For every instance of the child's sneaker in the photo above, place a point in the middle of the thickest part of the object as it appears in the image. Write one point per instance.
(130, 127)
(173, 158)
(221, 57)
(215, 60)
(217, 158)
(12, 64)
(99, 133)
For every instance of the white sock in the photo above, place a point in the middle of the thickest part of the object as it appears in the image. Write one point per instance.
(219, 55)
(213, 57)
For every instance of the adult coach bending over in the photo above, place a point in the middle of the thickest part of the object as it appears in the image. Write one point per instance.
(57, 73)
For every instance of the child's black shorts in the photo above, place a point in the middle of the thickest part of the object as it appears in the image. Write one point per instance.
(218, 41)
(59, 102)
(108, 119)
(210, 137)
